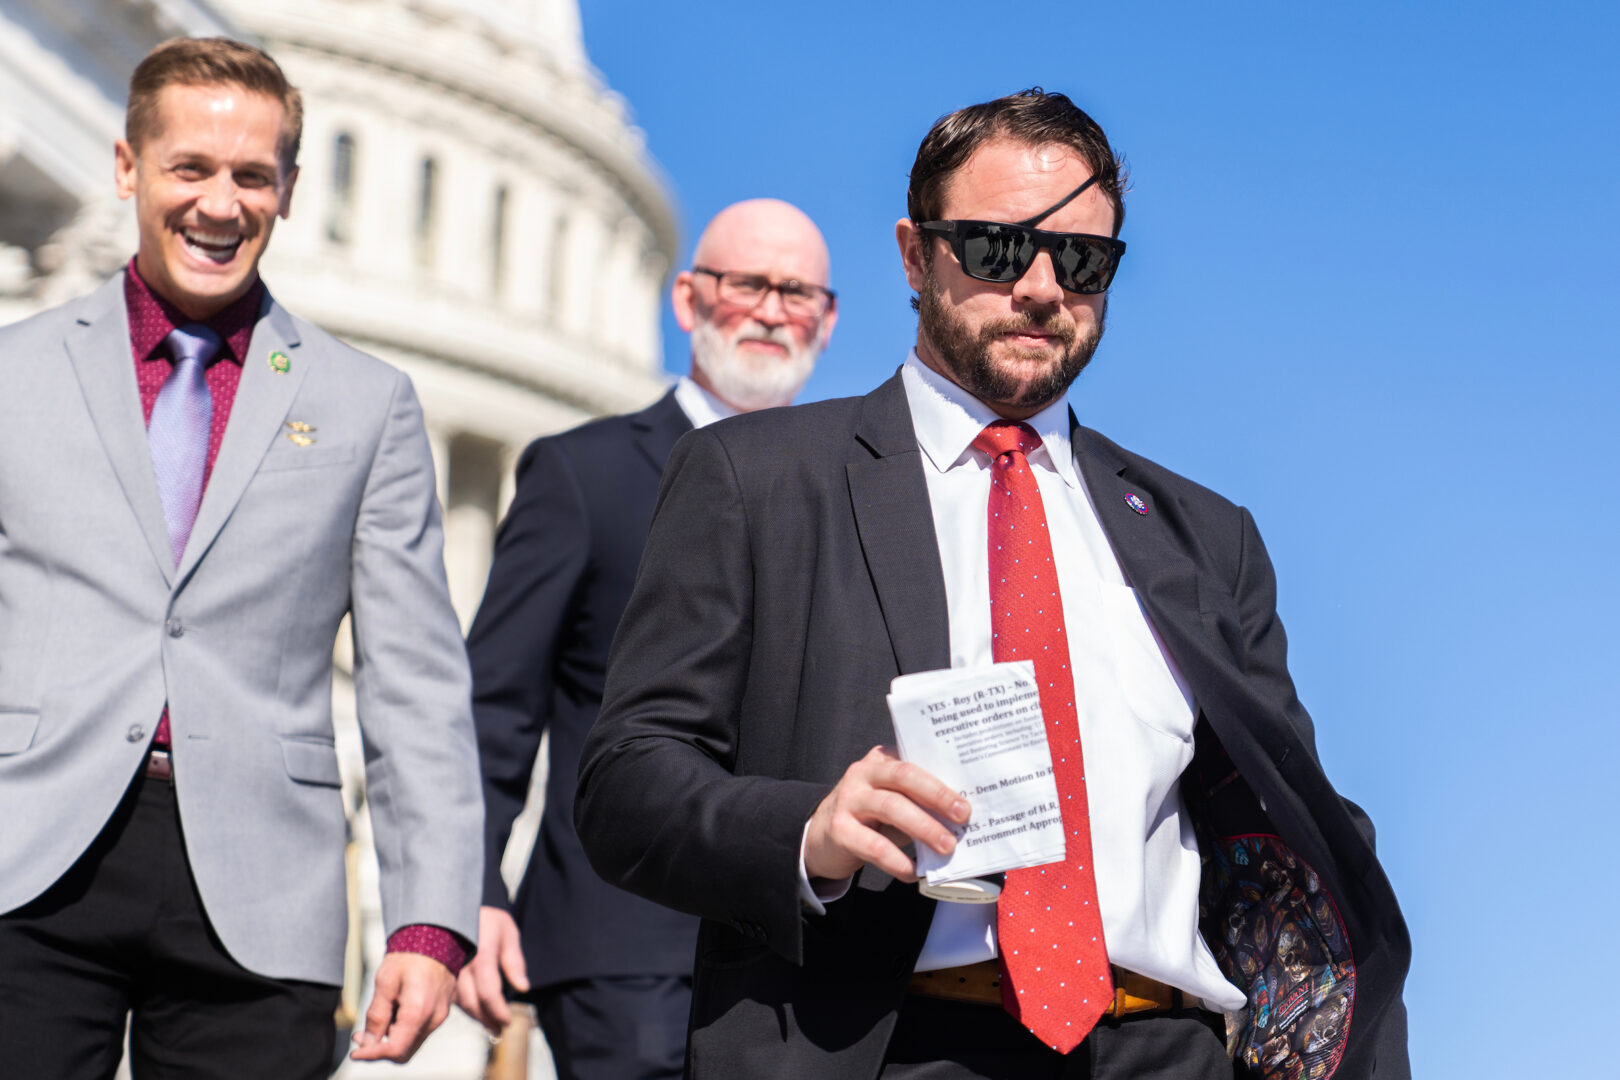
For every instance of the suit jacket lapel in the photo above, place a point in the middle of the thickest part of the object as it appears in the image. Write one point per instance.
(657, 427)
(100, 351)
(896, 526)
(262, 400)
(1164, 578)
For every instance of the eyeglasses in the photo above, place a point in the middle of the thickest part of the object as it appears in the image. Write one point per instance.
(799, 298)
(997, 251)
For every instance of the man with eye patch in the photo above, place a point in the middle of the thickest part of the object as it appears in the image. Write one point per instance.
(959, 516)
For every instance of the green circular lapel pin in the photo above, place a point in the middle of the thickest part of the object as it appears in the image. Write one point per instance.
(280, 363)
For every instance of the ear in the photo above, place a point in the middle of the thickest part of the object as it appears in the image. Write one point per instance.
(285, 208)
(911, 240)
(683, 298)
(828, 321)
(124, 168)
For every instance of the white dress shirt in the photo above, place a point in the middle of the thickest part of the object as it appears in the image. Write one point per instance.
(1135, 710)
(700, 406)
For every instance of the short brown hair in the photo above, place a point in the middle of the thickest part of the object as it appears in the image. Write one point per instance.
(1032, 118)
(209, 62)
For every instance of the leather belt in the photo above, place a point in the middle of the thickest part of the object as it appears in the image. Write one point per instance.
(981, 984)
(159, 766)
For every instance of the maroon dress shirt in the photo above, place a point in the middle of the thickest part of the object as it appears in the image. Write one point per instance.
(151, 320)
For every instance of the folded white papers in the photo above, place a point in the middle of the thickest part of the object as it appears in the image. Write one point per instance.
(981, 731)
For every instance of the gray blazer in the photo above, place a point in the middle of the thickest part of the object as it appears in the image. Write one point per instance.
(98, 630)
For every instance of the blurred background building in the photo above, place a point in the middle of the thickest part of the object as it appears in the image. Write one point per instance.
(474, 206)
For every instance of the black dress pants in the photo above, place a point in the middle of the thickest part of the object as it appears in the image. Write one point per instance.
(952, 1040)
(122, 935)
(627, 1028)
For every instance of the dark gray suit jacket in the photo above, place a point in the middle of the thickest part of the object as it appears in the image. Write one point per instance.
(791, 573)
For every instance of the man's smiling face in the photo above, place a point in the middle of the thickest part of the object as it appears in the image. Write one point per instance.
(208, 183)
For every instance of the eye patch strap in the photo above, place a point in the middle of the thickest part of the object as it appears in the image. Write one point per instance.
(1030, 223)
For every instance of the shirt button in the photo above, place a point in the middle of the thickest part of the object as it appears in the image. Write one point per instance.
(176, 629)
(135, 733)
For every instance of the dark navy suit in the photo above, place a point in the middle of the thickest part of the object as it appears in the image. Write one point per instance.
(565, 561)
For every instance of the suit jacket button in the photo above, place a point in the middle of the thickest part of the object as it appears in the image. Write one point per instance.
(135, 733)
(176, 628)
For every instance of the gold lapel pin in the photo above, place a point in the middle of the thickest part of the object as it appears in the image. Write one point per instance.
(280, 362)
(299, 440)
(300, 427)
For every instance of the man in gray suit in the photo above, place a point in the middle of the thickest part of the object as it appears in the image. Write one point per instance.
(195, 488)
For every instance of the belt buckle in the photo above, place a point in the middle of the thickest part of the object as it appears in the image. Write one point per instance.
(159, 766)
(1135, 993)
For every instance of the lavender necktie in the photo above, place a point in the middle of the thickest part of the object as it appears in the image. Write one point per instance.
(178, 431)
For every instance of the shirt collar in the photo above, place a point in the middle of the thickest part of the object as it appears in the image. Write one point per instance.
(700, 406)
(947, 419)
(233, 323)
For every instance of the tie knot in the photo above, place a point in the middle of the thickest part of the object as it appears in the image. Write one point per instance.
(1005, 436)
(193, 342)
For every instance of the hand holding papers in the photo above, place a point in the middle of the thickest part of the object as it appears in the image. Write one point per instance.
(879, 804)
(980, 730)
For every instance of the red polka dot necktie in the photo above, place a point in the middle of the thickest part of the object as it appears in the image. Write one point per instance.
(1054, 961)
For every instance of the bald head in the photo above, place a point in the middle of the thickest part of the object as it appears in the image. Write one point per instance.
(765, 235)
(752, 347)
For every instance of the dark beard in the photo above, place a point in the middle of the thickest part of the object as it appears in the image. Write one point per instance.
(966, 355)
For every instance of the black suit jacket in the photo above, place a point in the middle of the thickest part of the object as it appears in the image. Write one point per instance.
(565, 560)
(791, 573)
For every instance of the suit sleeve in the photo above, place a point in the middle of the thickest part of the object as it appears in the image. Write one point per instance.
(1266, 663)
(662, 809)
(412, 689)
(1266, 649)
(541, 554)
(1265, 645)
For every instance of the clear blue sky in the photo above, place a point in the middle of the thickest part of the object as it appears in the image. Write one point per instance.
(1370, 295)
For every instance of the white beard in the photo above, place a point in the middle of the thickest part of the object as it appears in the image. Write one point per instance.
(752, 381)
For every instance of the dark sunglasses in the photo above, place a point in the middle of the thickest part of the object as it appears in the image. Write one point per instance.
(997, 251)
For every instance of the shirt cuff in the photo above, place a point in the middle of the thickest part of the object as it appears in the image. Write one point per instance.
(816, 896)
(447, 948)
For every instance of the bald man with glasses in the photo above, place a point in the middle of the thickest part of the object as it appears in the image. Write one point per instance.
(610, 973)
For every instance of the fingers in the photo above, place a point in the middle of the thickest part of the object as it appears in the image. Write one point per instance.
(411, 999)
(922, 786)
(379, 1016)
(912, 792)
(478, 992)
(467, 994)
(876, 794)
(492, 999)
(511, 960)
(403, 1027)
(500, 950)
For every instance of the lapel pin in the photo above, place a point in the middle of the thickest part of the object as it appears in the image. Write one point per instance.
(1134, 501)
(280, 363)
(299, 440)
(299, 426)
